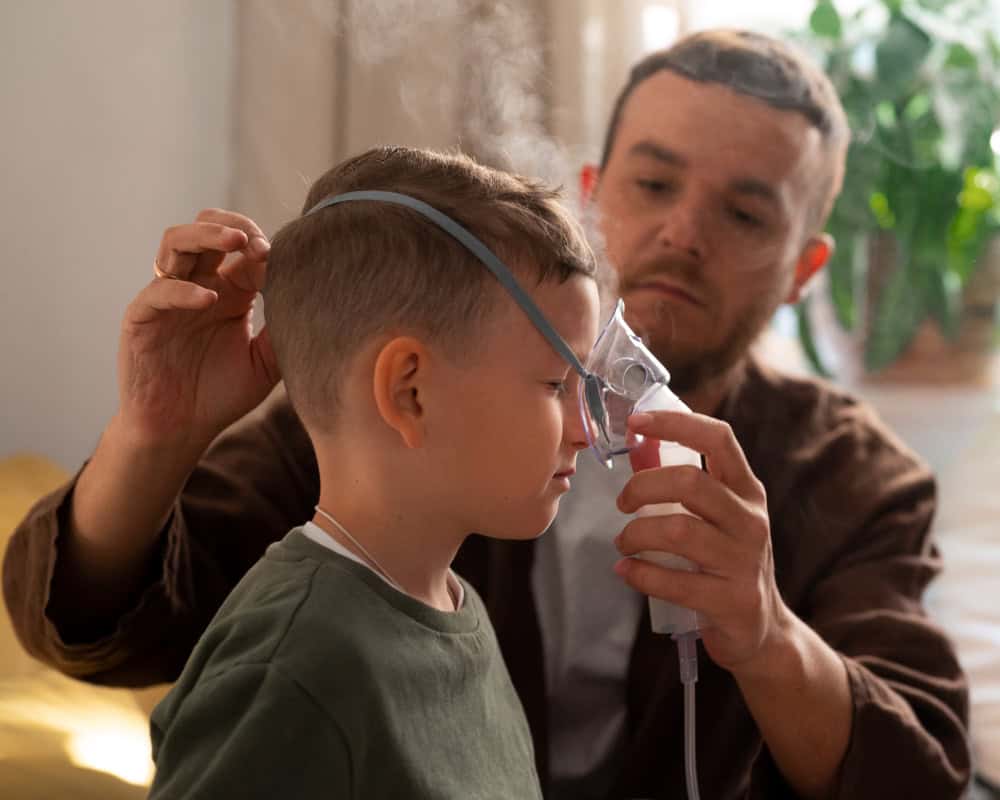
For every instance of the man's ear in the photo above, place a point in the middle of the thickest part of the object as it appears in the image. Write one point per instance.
(590, 174)
(400, 369)
(815, 255)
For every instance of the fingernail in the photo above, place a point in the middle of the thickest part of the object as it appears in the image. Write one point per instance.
(260, 245)
(640, 419)
(622, 566)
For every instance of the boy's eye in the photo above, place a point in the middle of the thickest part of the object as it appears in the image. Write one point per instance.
(559, 387)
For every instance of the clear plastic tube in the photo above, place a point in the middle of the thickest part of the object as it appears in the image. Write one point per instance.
(690, 751)
(687, 652)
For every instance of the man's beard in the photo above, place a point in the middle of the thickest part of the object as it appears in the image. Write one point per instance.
(690, 366)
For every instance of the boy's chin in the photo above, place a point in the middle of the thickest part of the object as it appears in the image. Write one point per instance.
(527, 529)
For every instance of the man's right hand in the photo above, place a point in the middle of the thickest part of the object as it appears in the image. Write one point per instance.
(188, 362)
(188, 366)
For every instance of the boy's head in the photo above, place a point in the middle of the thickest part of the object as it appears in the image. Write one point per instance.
(389, 331)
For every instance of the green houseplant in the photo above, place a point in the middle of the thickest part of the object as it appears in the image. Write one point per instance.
(920, 82)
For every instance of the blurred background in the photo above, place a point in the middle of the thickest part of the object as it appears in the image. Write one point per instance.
(121, 118)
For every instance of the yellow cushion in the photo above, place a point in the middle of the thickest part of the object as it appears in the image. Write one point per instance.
(56, 732)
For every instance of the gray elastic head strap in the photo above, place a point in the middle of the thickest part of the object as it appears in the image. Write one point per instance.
(479, 250)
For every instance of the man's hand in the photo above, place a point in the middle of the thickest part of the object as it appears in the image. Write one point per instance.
(729, 539)
(188, 363)
(794, 684)
(188, 366)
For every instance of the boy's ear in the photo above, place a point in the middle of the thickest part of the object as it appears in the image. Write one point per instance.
(589, 175)
(400, 368)
(815, 255)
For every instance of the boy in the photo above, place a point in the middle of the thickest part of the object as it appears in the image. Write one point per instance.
(350, 661)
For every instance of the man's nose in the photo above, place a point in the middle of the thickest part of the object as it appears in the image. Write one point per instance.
(681, 226)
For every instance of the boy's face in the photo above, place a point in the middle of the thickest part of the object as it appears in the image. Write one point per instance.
(513, 426)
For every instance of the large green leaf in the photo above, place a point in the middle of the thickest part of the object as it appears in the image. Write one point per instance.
(930, 265)
(840, 275)
(852, 212)
(993, 48)
(960, 57)
(937, 193)
(807, 339)
(942, 291)
(898, 313)
(900, 54)
(904, 188)
(825, 20)
(975, 223)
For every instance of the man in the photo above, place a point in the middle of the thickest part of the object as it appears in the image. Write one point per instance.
(822, 677)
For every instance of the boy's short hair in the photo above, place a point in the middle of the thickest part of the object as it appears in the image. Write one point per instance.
(345, 274)
(761, 67)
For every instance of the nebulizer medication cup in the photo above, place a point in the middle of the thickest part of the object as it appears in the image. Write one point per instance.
(625, 378)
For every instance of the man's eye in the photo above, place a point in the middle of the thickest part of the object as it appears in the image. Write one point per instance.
(652, 186)
(745, 218)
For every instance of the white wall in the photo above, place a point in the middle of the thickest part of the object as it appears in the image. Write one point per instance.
(115, 122)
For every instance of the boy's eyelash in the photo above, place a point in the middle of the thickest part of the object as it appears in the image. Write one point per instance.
(557, 386)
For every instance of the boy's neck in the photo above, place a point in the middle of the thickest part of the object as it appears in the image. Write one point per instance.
(409, 546)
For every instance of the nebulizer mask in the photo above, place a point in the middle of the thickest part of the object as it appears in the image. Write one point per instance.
(625, 378)
(621, 377)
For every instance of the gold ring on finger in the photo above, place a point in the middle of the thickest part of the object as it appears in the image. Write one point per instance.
(159, 273)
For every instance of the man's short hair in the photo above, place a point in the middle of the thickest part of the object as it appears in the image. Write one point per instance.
(346, 274)
(761, 67)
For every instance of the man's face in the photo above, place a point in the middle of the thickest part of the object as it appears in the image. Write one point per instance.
(704, 206)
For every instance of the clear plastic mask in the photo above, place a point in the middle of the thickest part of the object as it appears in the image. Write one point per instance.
(621, 372)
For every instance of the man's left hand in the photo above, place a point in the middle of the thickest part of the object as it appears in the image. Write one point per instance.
(729, 540)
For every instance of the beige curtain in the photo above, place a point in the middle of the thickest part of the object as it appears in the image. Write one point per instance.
(505, 88)
(289, 85)
(318, 81)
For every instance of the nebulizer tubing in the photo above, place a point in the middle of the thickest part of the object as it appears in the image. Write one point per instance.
(621, 377)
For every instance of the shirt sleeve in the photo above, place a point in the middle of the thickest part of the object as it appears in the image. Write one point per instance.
(257, 481)
(251, 732)
(909, 696)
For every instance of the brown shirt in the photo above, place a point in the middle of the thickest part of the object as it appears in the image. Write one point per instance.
(850, 514)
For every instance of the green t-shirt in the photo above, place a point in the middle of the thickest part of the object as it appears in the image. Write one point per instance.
(317, 679)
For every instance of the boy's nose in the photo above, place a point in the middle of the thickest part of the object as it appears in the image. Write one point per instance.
(573, 427)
